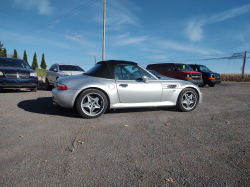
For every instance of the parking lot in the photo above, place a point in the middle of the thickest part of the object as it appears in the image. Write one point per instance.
(46, 145)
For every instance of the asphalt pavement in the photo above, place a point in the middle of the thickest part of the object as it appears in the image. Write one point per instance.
(46, 145)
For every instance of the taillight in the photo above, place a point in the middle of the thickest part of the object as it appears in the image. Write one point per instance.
(60, 86)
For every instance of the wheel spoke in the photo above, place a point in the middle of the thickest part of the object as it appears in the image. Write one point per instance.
(97, 105)
(91, 109)
(85, 105)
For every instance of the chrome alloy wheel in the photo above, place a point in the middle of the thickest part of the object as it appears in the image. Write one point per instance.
(188, 100)
(92, 104)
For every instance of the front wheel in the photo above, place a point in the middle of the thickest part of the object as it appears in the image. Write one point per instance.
(91, 103)
(187, 100)
(211, 84)
(34, 89)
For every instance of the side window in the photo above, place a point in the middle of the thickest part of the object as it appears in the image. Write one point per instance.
(151, 67)
(51, 68)
(144, 73)
(163, 67)
(171, 67)
(127, 72)
(158, 67)
(56, 67)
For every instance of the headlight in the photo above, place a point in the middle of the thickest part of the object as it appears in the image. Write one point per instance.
(63, 75)
(211, 76)
(33, 74)
(1, 73)
(188, 76)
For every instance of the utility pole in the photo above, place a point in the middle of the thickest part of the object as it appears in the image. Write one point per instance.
(104, 21)
(243, 66)
(95, 59)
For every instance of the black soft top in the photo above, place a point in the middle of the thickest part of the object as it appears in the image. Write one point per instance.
(106, 69)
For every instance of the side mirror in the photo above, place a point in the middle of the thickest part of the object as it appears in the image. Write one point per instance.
(33, 67)
(55, 70)
(145, 79)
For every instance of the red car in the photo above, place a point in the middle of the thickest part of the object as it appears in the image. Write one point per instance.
(177, 71)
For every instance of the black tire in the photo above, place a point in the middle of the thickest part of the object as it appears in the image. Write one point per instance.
(34, 90)
(187, 100)
(48, 87)
(95, 101)
(211, 84)
(202, 85)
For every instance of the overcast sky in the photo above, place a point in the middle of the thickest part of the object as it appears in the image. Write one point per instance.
(143, 31)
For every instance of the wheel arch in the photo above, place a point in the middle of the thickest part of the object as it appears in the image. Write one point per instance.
(198, 94)
(89, 88)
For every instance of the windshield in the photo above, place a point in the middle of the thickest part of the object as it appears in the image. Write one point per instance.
(204, 69)
(183, 67)
(11, 62)
(70, 68)
(154, 73)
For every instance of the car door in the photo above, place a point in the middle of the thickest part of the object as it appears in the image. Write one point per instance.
(54, 73)
(132, 89)
(171, 71)
(49, 73)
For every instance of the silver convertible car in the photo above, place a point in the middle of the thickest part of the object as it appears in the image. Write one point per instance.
(117, 84)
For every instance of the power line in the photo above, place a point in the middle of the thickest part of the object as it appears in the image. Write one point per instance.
(53, 21)
(234, 56)
(185, 57)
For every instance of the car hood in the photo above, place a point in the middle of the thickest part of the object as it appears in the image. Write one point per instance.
(210, 72)
(72, 72)
(16, 69)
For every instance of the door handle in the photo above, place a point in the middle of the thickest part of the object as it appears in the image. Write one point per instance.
(123, 85)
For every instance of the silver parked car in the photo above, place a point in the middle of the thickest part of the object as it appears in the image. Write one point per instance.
(61, 70)
(121, 84)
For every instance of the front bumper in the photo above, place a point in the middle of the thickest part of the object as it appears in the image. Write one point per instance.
(195, 81)
(64, 98)
(6, 83)
(216, 81)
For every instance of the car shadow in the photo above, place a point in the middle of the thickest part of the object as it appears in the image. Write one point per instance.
(146, 109)
(43, 105)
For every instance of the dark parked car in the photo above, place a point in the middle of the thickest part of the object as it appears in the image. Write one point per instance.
(17, 74)
(209, 77)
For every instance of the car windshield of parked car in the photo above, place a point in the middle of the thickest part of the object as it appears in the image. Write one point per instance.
(183, 67)
(70, 68)
(145, 73)
(10, 62)
(204, 69)
(154, 73)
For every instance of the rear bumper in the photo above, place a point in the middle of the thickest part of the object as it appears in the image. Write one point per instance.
(6, 83)
(64, 98)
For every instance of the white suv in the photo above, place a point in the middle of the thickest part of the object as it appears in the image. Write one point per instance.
(60, 70)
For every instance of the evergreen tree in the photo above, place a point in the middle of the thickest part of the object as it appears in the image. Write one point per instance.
(15, 54)
(4, 52)
(43, 63)
(1, 45)
(34, 62)
(25, 58)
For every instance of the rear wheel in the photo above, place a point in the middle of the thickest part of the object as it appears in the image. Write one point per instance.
(91, 103)
(48, 87)
(34, 90)
(187, 100)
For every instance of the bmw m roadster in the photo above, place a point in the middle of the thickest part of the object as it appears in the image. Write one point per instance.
(122, 84)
